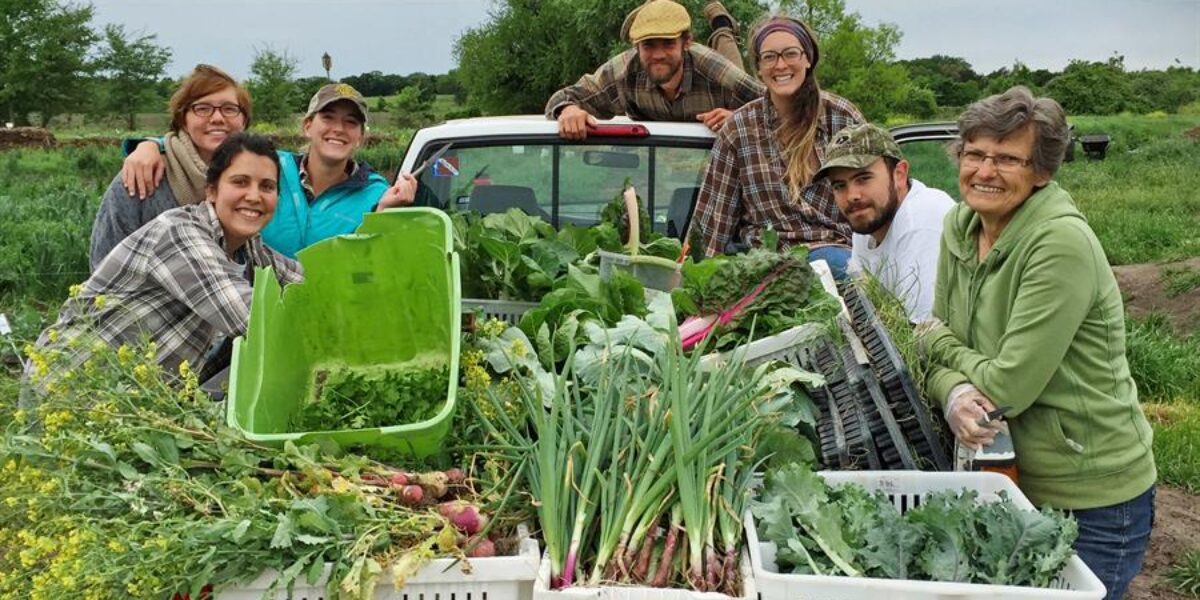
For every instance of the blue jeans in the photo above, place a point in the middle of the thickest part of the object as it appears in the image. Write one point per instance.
(837, 257)
(1112, 540)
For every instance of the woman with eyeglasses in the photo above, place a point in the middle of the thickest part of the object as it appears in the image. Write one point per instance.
(208, 107)
(324, 191)
(763, 161)
(1030, 320)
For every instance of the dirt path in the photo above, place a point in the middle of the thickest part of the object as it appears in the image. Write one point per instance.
(1144, 291)
(1176, 530)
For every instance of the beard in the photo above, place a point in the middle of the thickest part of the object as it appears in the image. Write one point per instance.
(672, 69)
(886, 214)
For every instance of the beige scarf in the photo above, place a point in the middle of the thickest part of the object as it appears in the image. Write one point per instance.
(185, 169)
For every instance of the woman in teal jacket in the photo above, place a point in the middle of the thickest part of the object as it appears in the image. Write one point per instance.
(324, 191)
(1029, 318)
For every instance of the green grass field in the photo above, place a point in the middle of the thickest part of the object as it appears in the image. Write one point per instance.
(1143, 202)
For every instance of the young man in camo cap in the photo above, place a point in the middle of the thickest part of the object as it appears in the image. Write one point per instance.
(897, 220)
(664, 77)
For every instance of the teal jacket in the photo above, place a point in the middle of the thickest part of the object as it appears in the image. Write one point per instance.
(298, 223)
(1039, 327)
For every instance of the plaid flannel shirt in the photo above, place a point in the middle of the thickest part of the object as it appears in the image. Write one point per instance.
(170, 281)
(744, 189)
(621, 86)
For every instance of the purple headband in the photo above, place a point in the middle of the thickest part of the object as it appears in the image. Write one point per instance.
(788, 25)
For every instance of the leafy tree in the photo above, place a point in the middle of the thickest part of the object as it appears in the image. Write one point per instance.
(133, 64)
(1093, 88)
(1166, 90)
(305, 88)
(272, 85)
(857, 61)
(411, 108)
(531, 48)
(950, 78)
(1001, 79)
(43, 58)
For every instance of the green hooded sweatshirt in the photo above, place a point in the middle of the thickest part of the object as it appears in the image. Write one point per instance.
(1039, 327)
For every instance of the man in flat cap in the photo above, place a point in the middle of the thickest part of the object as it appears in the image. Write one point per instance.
(664, 77)
(897, 220)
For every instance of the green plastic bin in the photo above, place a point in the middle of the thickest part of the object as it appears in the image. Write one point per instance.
(386, 295)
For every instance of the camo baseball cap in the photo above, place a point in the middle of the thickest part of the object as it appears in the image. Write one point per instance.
(336, 92)
(858, 146)
(659, 19)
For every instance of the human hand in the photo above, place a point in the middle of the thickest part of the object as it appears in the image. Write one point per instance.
(966, 413)
(143, 170)
(714, 118)
(573, 123)
(401, 193)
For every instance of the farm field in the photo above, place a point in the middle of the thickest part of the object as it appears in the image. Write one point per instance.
(1143, 201)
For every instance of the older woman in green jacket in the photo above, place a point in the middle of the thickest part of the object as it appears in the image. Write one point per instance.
(1029, 318)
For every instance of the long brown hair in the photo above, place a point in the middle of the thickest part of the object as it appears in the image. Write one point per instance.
(797, 131)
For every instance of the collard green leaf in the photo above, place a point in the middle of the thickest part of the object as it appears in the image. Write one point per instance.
(284, 532)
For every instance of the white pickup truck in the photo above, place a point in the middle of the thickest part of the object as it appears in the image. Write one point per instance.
(491, 164)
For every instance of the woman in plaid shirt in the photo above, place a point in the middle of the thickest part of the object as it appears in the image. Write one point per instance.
(184, 280)
(763, 161)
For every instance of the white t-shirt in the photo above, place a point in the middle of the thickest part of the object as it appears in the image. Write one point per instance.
(906, 262)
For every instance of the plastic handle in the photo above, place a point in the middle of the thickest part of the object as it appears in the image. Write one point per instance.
(631, 209)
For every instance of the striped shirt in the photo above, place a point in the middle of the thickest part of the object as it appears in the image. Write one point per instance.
(170, 282)
(622, 86)
(744, 189)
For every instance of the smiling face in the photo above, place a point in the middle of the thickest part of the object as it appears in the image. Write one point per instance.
(208, 132)
(662, 58)
(868, 196)
(245, 197)
(334, 132)
(783, 76)
(993, 193)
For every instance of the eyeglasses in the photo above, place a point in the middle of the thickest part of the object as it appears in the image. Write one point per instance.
(205, 111)
(1004, 162)
(789, 55)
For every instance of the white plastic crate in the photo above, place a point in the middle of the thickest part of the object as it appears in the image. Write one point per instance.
(509, 311)
(907, 488)
(542, 591)
(498, 578)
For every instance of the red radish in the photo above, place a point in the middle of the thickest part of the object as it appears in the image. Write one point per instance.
(465, 517)
(480, 548)
(434, 483)
(455, 475)
(411, 495)
(399, 479)
(373, 479)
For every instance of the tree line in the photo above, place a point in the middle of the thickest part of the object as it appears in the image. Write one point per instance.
(529, 49)
(52, 61)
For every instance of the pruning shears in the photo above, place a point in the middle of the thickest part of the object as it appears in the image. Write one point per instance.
(994, 415)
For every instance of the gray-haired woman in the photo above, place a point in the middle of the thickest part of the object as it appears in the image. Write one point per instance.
(1030, 319)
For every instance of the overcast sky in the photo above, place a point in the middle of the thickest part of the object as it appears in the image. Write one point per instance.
(404, 36)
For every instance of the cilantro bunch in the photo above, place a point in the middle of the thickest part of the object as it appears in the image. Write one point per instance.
(365, 397)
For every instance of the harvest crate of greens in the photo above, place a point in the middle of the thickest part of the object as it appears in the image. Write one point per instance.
(909, 535)
(509, 311)
(494, 578)
(542, 591)
(365, 351)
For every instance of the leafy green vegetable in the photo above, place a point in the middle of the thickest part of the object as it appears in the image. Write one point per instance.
(951, 536)
(513, 256)
(377, 396)
(793, 297)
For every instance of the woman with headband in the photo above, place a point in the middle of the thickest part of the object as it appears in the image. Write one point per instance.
(764, 159)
